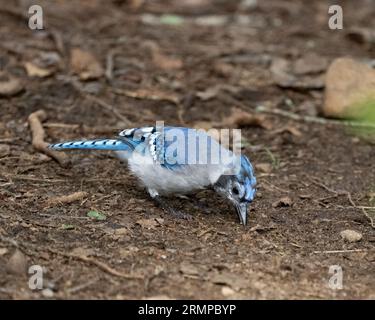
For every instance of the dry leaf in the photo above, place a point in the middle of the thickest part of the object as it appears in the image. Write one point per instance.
(240, 118)
(164, 62)
(136, 4)
(311, 63)
(121, 231)
(147, 223)
(283, 202)
(149, 94)
(189, 269)
(281, 70)
(205, 125)
(294, 131)
(233, 281)
(264, 167)
(36, 71)
(9, 86)
(160, 220)
(209, 93)
(290, 129)
(160, 60)
(85, 65)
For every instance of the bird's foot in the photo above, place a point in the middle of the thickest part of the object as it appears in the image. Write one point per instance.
(180, 215)
(169, 209)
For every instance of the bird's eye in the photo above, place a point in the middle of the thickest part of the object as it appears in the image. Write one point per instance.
(235, 190)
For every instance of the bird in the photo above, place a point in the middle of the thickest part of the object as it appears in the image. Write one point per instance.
(178, 161)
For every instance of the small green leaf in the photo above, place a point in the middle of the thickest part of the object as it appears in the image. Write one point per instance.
(96, 215)
(67, 226)
(171, 19)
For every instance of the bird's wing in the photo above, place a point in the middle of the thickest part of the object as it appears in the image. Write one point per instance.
(174, 147)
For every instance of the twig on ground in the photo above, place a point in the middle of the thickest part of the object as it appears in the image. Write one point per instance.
(312, 119)
(66, 199)
(349, 196)
(79, 127)
(369, 217)
(9, 140)
(99, 264)
(59, 42)
(96, 100)
(109, 65)
(32, 179)
(46, 180)
(35, 122)
(336, 193)
(108, 107)
(343, 251)
(81, 286)
(202, 233)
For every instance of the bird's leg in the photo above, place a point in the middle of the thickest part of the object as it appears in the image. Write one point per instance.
(201, 206)
(168, 208)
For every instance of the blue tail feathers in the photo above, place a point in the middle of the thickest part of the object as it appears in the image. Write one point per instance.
(98, 144)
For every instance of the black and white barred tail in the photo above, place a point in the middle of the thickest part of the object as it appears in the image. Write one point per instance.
(98, 144)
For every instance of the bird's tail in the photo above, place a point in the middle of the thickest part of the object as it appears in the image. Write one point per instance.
(98, 144)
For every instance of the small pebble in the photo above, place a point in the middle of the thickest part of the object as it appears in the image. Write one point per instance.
(4, 150)
(17, 263)
(351, 235)
(47, 293)
(226, 291)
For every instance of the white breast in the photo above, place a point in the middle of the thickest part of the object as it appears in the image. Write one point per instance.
(183, 180)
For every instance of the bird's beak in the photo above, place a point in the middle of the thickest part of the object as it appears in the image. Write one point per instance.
(241, 209)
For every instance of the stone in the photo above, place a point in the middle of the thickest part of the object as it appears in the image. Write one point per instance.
(351, 235)
(349, 84)
(17, 263)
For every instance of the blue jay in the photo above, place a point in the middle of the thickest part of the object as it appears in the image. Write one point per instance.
(179, 161)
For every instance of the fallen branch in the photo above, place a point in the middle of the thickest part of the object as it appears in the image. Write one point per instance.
(35, 123)
(66, 199)
(312, 119)
(99, 264)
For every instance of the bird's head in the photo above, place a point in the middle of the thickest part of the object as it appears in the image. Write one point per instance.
(238, 188)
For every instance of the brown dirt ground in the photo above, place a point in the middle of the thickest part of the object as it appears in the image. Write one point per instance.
(280, 254)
